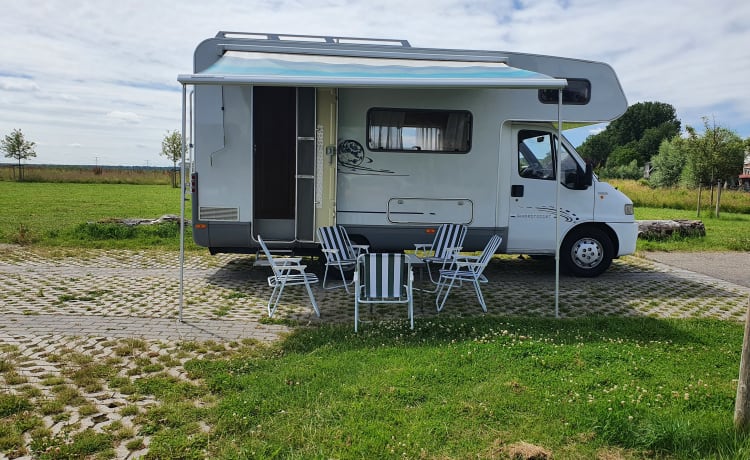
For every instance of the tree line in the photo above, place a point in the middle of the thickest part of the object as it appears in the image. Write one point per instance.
(647, 141)
(16, 146)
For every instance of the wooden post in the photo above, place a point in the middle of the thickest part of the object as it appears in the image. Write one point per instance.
(718, 196)
(742, 402)
(700, 189)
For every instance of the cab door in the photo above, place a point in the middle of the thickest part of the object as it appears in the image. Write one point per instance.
(533, 213)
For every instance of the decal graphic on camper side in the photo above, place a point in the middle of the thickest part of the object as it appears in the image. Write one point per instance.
(547, 212)
(351, 158)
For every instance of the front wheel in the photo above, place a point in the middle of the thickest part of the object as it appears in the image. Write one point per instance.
(587, 252)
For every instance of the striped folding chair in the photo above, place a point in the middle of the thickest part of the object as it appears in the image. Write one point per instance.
(383, 278)
(339, 252)
(287, 271)
(469, 269)
(449, 239)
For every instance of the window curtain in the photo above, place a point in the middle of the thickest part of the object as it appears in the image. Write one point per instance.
(456, 132)
(386, 130)
(430, 138)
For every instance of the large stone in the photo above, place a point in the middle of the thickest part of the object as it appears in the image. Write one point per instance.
(660, 229)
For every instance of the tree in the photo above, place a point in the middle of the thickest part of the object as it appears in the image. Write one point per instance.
(171, 147)
(16, 146)
(716, 155)
(595, 149)
(668, 164)
(639, 117)
(636, 135)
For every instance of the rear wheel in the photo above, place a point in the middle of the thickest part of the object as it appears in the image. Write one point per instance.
(587, 252)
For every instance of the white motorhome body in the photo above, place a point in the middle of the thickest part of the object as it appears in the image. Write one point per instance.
(296, 132)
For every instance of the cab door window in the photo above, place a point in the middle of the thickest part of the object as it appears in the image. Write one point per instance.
(537, 158)
(535, 155)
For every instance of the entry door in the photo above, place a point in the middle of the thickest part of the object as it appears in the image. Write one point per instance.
(283, 163)
(532, 201)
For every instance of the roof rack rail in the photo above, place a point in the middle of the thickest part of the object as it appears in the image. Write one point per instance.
(313, 38)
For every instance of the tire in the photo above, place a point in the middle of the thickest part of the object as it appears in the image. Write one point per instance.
(586, 252)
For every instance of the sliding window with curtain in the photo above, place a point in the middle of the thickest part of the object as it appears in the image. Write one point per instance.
(423, 130)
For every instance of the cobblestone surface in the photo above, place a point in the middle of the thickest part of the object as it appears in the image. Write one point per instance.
(62, 308)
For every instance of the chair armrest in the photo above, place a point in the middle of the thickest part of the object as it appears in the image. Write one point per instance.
(360, 248)
(422, 249)
(285, 269)
(460, 258)
(454, 251)
(287, 261)
(459, 264)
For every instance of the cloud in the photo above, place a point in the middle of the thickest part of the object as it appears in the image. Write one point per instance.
(126, 117)
(77, 72)
(18, 84)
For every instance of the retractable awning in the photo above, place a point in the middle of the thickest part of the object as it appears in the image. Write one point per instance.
(263, 68)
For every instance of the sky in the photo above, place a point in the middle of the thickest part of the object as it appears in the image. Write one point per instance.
(95, 82)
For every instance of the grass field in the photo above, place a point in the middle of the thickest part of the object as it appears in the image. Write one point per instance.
(614, 388)
(71, 215)
(89, 174)
(733, 201)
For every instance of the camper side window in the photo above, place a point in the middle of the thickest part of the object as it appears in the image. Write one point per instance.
(578, 92)
(416, 130)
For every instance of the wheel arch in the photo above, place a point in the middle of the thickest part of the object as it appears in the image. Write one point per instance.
(601, 226)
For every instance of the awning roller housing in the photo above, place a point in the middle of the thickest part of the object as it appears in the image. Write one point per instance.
(287, 69)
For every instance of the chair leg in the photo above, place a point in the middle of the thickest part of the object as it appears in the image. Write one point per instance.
(312, 300)
(356, 313)
(448, 288)
(429, 273)
(275, 297)
(480, 296)
(345, 284)
(343, 279)
(325, 277)
(411, 311)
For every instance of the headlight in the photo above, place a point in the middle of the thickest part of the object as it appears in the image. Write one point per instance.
(629, 209)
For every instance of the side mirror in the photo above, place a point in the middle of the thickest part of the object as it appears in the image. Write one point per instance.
(588, 176)
(581, 180)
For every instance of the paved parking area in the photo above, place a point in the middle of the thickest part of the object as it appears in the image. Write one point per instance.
(135, 294)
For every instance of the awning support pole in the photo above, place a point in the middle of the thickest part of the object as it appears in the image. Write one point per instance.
(182, 209)
(557, 203)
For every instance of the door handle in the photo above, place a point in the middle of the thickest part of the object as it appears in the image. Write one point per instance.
(516, 191)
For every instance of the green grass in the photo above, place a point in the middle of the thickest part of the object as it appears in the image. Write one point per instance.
(76, 215)
(735, 201)
(79, 215)
(461, 388)
(728, 232)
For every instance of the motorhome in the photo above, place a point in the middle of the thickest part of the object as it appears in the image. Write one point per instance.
(290, 133)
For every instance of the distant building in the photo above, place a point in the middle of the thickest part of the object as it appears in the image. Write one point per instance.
(745, 176)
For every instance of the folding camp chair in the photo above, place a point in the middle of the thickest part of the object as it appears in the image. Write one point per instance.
(469, 269)
(448, 241)
(383, 278)
(339, 252)
(287, 271)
